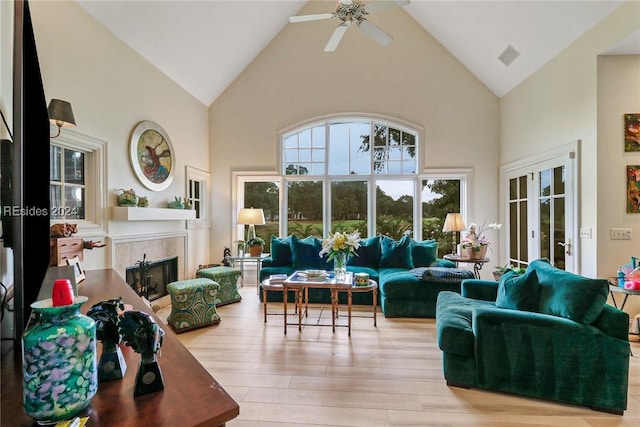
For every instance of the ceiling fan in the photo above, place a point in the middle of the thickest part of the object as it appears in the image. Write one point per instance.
(354, 12)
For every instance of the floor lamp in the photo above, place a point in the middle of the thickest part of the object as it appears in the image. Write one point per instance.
(453, 223)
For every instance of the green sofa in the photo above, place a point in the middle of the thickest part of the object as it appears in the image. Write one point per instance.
(408, 273)
(546, 334)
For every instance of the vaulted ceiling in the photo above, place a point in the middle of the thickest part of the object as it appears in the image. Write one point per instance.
(204, 45)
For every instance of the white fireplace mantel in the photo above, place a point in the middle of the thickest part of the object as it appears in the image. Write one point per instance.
(122, 213)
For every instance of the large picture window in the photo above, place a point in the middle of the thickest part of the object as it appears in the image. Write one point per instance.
(354, 174)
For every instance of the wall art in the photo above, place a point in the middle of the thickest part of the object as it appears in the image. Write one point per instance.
(632, 132)
(152, 155)
(633, 189)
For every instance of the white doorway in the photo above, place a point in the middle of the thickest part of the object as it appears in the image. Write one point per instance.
(539, 198)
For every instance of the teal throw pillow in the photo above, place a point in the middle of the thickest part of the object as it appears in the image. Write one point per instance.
(368, 253)
(518, 292)
(305, 254)
(281, 251)
(569, 295)
(395, 253)
(423, 254)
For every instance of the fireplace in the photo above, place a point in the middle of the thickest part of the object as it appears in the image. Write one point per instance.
(150, 278)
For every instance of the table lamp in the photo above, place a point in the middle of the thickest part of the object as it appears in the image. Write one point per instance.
(453, 223)
(251, 217)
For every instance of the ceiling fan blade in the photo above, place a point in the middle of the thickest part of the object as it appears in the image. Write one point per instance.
(383, 6)
(375, 32)
(305, 18)
(335, 38)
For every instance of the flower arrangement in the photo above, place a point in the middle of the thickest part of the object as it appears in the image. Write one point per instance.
(475, 238)
(341, 243)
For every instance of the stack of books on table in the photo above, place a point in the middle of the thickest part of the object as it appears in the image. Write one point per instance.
(277, 279)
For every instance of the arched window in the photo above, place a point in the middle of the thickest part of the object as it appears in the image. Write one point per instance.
(348, 173)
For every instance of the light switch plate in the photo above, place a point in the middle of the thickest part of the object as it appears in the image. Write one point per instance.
(620, 233)
(585, 233)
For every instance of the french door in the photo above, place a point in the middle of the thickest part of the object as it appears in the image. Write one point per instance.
(540, 212)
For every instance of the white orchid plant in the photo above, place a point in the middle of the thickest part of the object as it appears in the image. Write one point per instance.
(475, 237)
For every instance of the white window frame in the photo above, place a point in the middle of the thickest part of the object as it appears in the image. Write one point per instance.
(328, 120)
(194, 174)
(237, 194)
(95, 170)
(462, 174)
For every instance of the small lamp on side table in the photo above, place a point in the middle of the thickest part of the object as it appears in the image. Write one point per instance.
(453, 223)
(251, 217)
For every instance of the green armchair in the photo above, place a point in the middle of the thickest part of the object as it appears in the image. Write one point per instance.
(546, 334)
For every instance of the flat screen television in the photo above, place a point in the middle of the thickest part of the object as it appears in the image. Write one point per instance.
(30, 172)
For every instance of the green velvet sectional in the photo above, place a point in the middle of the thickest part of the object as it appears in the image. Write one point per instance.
(546, 334)
(408, 273)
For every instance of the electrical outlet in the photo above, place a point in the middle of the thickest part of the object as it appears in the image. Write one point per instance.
(585, 233)
(620, 233)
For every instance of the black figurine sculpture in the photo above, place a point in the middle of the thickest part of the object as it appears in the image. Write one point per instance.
(140, 332)
(105, 313)
(226, 257)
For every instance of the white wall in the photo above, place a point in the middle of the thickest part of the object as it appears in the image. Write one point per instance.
(413, 79)
(618, 93)
(558, 105)
(565, 101)
(111, 89)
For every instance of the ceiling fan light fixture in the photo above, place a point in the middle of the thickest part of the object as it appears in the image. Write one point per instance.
(354, 12)
(351, 12)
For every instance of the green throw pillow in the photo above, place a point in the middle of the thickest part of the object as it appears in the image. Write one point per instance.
(368, 253)
(305, 254)
(423, 254)
(569, 295)
(395, 253)
(281, 251)
(518, 292)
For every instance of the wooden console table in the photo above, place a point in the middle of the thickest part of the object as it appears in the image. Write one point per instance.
(191, 397)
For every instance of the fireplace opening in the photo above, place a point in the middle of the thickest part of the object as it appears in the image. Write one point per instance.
(150, 278)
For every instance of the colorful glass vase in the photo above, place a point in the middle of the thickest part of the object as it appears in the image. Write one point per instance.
(59, 363)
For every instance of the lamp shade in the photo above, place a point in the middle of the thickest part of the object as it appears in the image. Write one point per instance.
(453, 222)
(61, 114)
(251, 216)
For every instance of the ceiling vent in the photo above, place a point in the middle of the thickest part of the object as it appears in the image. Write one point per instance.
(508, 55)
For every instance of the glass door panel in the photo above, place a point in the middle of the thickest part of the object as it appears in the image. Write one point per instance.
(518, 252)
(553, 243)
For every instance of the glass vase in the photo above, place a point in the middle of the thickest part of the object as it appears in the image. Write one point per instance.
(340, 266)
(60, 374)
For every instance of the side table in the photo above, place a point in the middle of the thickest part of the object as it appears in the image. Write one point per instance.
(615, 289)
(257, 260)
(477, 263)
(373, 288)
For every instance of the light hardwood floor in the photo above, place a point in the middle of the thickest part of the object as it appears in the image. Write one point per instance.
(385, 376)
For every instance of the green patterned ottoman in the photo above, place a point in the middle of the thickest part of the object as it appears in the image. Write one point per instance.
(227, 277)
(193, 304)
